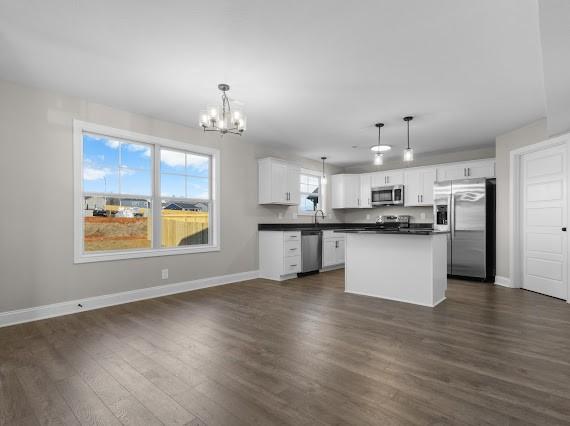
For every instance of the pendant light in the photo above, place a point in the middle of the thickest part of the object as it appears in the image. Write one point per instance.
(408, 152)
(379, 148)
(324, 176)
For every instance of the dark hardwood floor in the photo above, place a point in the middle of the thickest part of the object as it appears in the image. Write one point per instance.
(301, 352)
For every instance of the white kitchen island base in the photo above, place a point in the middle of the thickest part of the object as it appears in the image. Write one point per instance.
(409, 268)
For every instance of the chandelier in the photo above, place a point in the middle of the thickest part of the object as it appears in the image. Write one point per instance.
(223, 119)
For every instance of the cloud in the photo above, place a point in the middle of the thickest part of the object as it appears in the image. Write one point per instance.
(90, 173)
(112, 143)
(126, 172)
(138, 148)
(179, 159)
(172, 158)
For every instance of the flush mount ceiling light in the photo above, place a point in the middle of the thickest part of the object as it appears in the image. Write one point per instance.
(408, 152)
(223, 119)
(324, 176)
(379, 148)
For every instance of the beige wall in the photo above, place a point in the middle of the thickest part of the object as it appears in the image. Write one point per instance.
(36, 175)
(532, 133)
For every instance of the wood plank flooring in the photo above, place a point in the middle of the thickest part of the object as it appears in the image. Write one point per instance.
(301, 352)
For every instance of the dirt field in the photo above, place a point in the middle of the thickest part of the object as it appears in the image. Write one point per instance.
(179, 228)
(116, 233)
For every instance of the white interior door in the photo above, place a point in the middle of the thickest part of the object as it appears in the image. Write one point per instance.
(544, 220)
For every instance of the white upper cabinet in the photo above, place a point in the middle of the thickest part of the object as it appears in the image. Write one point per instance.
(353, 191)
(365, 189)
(346, 191)
(418, 186)
(391, 177)
(466, 170)
(278, 182)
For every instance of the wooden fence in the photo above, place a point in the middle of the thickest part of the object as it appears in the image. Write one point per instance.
(181, 228)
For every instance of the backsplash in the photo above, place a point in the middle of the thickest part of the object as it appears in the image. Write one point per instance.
(418, 214)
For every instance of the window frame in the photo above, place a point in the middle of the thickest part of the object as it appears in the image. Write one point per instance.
(214, 229)
(318, 175)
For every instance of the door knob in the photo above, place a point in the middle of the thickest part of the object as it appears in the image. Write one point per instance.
(564, 229)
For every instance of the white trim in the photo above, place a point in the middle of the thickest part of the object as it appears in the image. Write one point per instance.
(503, 281)
(396, 299)
(514, 204)
(71, 307)
(215, 175)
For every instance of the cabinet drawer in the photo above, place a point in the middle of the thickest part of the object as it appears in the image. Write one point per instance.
(291, 265)
(291, 248)
(291, 236)
(332, 234)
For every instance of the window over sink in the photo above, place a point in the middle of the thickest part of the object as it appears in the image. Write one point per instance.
(311, 194)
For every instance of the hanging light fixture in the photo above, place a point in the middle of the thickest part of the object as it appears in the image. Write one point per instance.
(379, 148)
(408, 152)
(223, 119)
(324, 176)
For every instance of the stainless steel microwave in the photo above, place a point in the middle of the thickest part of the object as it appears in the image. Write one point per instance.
(387, 196)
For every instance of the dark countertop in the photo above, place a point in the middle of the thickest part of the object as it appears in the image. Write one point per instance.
(404, 231)
(335, 226)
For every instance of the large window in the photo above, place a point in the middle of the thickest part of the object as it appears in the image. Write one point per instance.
(139, 196)
(310, 191)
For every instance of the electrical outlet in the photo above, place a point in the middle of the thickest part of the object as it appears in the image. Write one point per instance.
(422, 216)
(367, 217)
(165, 274)
(294, 215)
(280, 215)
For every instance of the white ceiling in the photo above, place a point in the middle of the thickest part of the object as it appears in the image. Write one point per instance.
(314, 75)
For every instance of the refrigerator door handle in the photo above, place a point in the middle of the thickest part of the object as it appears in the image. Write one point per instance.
(452, 215)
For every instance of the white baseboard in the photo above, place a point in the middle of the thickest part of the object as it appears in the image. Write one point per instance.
(72, 306)
(503, 281)
(396, 299)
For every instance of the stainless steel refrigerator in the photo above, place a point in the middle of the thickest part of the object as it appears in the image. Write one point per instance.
(466, 208)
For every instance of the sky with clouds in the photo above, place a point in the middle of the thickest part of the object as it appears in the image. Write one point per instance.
(122, 167)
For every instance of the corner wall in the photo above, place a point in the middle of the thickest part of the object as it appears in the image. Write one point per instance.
(36, 189)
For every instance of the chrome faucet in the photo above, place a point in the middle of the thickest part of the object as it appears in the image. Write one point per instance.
(317, 213)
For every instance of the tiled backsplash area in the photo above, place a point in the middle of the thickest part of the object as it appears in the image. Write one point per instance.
(418, 214)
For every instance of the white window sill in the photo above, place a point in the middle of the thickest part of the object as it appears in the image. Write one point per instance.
(110, 256)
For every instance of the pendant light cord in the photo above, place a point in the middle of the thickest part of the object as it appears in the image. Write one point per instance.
(408, 134)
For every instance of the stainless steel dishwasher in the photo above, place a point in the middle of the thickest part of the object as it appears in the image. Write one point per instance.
(311, 251)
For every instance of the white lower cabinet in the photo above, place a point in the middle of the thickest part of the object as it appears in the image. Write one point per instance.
(333, 249)
(279, 254)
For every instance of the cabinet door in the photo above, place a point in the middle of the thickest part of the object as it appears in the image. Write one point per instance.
(329, 252)
(365, 185)
(337, 191)
(377, 179)
(413, 187)
(395, 177)
(351, 191)
(427, 179)
(339, 252)
(452, 172)
(278, 182)
(481, 169)
(292, 189)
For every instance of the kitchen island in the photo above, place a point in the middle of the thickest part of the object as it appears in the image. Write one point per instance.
(403, 265)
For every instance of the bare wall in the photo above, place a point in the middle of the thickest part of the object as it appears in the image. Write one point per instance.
(36, 175)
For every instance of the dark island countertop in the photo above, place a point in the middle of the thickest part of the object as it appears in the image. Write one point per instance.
(344, 227)
(403, 231)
